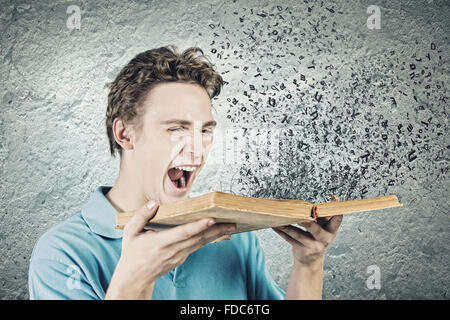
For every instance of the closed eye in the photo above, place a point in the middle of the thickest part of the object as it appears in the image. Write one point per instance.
(178, 129)
(175, 129)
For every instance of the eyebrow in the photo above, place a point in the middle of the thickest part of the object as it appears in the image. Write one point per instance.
(188, 123)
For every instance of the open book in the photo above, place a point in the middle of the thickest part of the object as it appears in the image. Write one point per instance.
(253, 213)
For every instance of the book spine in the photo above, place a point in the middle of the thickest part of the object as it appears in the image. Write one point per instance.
(314, 212)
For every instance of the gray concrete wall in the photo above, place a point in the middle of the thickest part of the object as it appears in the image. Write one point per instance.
(355, 111)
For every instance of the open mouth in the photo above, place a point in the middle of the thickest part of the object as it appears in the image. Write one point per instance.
(180, 177)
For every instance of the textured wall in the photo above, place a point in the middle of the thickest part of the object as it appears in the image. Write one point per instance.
(354, 111)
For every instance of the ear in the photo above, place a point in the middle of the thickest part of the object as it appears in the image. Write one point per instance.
(123, 134)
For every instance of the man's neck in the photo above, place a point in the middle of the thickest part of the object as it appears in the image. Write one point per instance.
(126, 195)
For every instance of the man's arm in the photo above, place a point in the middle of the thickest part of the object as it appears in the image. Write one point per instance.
(305, 282)
(308, 248)
(146, 254)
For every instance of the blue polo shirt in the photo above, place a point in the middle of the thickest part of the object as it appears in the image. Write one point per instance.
(76, 260)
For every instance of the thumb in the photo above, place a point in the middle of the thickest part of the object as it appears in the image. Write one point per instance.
(140, 218)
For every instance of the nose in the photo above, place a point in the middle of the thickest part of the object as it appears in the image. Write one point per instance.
(193, 148)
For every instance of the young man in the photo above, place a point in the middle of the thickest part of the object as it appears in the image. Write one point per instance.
(159, 120)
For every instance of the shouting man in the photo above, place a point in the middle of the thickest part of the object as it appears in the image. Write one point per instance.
(159, 120)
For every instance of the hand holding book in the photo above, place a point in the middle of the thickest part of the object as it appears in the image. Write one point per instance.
(309, 245)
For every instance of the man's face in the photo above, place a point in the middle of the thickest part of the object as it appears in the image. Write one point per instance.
(174, 140)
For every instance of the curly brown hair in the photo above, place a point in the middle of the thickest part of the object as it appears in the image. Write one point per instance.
(149, 68)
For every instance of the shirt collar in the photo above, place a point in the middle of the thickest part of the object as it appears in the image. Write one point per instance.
(100, 215)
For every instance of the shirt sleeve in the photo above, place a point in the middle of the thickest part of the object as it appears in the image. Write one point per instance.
(263, 287)
(53, 280)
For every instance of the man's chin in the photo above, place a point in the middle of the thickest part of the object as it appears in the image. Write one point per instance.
(173, 194)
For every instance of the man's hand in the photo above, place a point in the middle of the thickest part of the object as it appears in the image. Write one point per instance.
(147, 254)
(309, 246)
